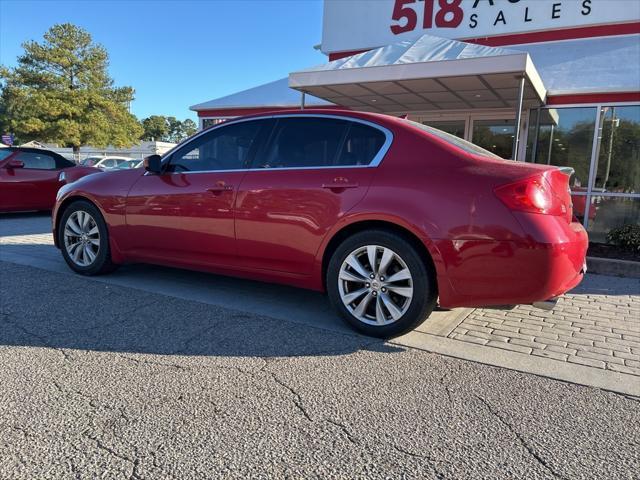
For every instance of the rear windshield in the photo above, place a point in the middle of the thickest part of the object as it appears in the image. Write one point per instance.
(452, 139)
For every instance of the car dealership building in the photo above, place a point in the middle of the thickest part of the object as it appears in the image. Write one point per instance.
(546, 81)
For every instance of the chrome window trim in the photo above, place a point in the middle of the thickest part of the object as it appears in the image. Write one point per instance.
(377, 159)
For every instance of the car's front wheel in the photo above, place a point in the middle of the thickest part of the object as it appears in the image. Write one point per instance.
(381, 284)
(84, 240)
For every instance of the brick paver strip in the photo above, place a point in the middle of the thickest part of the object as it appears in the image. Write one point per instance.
(596, 325)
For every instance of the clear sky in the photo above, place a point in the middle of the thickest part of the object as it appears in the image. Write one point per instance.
(179, 53)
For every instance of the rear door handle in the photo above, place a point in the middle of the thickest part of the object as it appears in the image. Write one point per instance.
(219, 188)
(333, 186)
(340, 183)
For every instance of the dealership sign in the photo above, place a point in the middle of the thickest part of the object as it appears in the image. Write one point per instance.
(363, 24)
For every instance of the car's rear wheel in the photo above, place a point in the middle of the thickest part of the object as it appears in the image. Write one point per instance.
(381, 284)
(84, 239)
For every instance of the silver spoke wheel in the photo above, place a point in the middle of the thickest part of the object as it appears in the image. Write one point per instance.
(375, 285)
(81, 238)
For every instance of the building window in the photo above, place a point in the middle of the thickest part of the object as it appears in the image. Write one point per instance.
(602, 145)
(618, 150)
(564, 138)
(606, 213)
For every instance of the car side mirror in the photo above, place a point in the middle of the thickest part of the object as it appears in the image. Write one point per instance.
(15, 164)
(152, 164)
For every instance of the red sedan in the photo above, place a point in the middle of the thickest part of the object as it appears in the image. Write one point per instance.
(31, 177)
(387, 216)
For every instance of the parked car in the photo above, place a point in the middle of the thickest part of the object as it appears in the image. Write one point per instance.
(134, 163)
(31, 177)
(386, 215)
(111, 162)
(90, 161)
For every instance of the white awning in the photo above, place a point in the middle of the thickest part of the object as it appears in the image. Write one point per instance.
(588, 65)
(430, 73)
(272, 94)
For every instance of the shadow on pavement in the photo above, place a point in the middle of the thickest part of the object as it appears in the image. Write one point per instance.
(68, 312)
(27, 223)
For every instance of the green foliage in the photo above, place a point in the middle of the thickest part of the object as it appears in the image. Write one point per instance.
(155, 128)
(167, 129)
(61, 92)
(626, 236)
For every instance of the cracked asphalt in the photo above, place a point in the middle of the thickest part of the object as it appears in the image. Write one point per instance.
(98, 380)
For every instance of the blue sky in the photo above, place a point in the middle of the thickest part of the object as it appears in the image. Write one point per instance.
(179, 53)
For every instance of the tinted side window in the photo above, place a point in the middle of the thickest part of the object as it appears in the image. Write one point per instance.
(304, 142)
(361, 145)
(37, 161)
(62, 162)
(224, 148)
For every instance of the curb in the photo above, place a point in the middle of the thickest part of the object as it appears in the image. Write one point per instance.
(610, 266)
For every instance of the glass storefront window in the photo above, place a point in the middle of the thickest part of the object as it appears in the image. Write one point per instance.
(495, 136)
(606, 213)
(565, 138)
(618, 150)
(454, 127)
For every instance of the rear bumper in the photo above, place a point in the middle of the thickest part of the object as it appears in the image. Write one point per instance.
(522, 271)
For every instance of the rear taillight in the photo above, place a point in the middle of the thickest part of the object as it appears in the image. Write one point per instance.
(533, 195)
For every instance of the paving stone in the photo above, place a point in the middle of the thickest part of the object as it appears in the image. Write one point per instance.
(550, 341)
(470, 339)
(563, 350)
(524, 343)
(623, 369)
(626, 356)
(602, 358)
(586, 361)
(600, 332)
(622, 341)
(475, 328)
(549, 354)
(505, 333)
(632, 363)
(479, 323)
(509, 346)
(612, 346)
(593, 349)
(590, 336)
(502, 326)
(574, 340)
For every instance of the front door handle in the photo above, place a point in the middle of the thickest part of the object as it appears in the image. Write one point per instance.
(220, 187)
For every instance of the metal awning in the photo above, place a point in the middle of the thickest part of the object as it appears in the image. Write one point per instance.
(426, 74)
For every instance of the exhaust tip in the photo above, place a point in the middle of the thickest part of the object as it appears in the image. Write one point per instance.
(546, 304)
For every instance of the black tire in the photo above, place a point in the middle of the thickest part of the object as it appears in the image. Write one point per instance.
(102, 263)
(423, 281)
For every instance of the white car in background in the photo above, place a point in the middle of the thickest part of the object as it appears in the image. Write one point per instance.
(112, 163)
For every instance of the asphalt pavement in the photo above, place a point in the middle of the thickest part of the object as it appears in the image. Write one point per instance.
(109, 381)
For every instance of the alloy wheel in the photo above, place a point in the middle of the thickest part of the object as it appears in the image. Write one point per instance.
(82, 238)
(375, 285)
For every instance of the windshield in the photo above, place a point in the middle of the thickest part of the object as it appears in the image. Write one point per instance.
(458, 142)
(4, 153)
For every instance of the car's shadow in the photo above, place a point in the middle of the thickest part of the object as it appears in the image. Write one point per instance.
(157, 310)
(45, 309)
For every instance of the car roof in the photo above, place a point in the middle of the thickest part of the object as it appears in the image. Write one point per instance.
(38, 150)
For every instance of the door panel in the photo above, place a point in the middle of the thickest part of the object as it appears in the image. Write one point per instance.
(186, 214)
(311, 173)
(283, 215)
(33, 187)
(186, 217)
